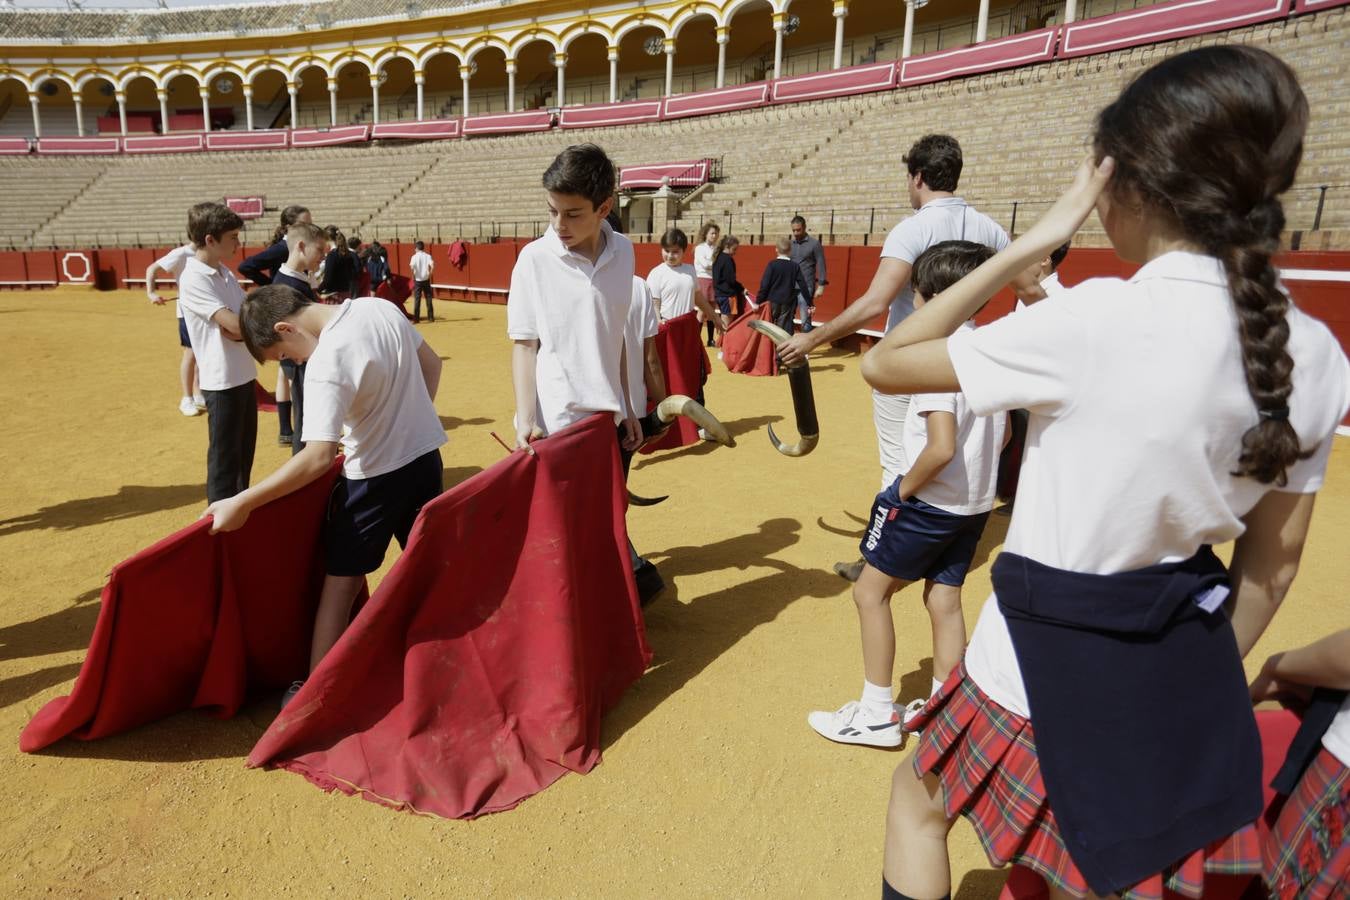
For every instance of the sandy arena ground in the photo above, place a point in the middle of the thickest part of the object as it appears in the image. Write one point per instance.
(712, 784)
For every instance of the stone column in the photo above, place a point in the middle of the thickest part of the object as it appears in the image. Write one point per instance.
(122, 110)
(560, 62)
(292, 88)
(465, 73)
(248, 107)
(840, 11)
(1070, 10)
(205, 94)
(669, 47)
(723, 35)
(909, 30)
(613, 74)
(375, 94)
(332, 102)
(510, 85)
(163, 97)
(79, 114)
(982, 24)
(779, 22)
(37, 119)
(419, 79)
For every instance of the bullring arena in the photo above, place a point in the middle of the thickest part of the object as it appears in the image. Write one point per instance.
(403, 122)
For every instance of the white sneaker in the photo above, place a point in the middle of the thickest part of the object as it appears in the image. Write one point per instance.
(200, 402)
(187, 407)
(851, 724)
(912, 710)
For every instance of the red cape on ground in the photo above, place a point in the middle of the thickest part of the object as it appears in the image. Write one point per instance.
(197, 622)
(685, 361)
(745, 350)
(478, 672)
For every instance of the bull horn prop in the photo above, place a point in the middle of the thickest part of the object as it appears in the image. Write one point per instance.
(803, 398)
(659, 419)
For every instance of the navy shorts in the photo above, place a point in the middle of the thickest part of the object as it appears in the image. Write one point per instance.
(183, 340)
(364, 513)
(724, 305)
(913, 540)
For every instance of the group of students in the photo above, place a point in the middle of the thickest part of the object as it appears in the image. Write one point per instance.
(1098, 726)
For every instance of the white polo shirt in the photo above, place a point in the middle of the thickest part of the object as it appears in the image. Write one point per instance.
(1138, 405)
(965, 486)
(642, 324)
(202, 292)
(703, 260)
(943, 219)
(577, 311)
(364, 388)
(673, 288)
(420, 265)
(1337, 738)
(173, 262)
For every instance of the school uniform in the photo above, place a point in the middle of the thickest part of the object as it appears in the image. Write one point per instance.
(703, 261)
(943, 219)
(780, 286)
(672, 287)
(1107, 609)
(261, 267)
(933, 535)
(173, 263)
(577, 311)
(366, 391)
(339, 274)
(226, 373)
(420, 265)
(725, 285)
(296, 371)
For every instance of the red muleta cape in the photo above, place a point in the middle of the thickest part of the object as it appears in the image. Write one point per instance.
(685, 361)
(745, 350)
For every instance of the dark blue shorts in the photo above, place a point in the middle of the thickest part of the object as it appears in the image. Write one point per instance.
(183, 339)
(364, 513)
(724, 305)
(913, 540)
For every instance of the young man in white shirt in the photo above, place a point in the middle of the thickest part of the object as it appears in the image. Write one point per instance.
(210, 298)
(925, 525)
(370, 385)
(934, 170)
(171, 263)
(421, 266)
(674, 285)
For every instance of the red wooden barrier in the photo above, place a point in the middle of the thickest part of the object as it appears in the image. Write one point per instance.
(42, 270)
(13, 270)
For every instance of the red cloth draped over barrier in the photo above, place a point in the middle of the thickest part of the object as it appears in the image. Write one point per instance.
(478, 672)
(196, 622)
(685, 361)
(1277, 727)
(745, 350)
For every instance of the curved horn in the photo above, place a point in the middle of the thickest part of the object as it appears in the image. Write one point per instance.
(803, 397)
(680, 405)
(635, 500)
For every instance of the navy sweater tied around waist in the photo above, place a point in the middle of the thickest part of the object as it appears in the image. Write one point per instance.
(1139, 706)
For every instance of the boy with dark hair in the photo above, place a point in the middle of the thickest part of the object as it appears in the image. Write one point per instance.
(1040, 280)
(371, 385)
(210, 298)
(421, 266)
(925, 525)
(306, 245)
(674, 285)
(781, 284)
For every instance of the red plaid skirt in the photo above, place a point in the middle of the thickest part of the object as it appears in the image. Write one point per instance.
(985, 757)
(1308, 854)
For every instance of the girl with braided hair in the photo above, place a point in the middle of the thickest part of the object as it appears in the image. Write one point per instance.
(1188, 406)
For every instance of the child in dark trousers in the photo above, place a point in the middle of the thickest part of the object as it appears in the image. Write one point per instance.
(307, 243)
(781, 284)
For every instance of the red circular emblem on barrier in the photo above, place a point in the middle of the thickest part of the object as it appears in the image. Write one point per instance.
(65, 266)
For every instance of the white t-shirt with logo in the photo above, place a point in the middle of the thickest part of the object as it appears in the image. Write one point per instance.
(966, 485)
(173, 262)
(578, 312)
(420, 265)
(222, 363)
(364, 388)
(943, 219)
(673, 288)
(642, 324)
(1138, 404)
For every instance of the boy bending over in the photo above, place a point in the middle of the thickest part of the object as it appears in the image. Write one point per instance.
(370, 383)
(926, 525)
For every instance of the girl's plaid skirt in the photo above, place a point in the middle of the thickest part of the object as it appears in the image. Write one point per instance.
(1308, 854)
(985, 757)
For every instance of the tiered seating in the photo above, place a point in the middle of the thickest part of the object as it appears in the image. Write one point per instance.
(35, 190)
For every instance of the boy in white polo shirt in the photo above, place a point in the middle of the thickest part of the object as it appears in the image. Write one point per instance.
(171, 263)
(210, 298)
(925, 525)
(421, 266)
(674, 284)
(370, 383)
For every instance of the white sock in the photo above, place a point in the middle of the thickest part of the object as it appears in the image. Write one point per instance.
(937, 686)
(877, 700)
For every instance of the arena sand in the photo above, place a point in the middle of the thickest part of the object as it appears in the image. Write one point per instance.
(712, 785)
